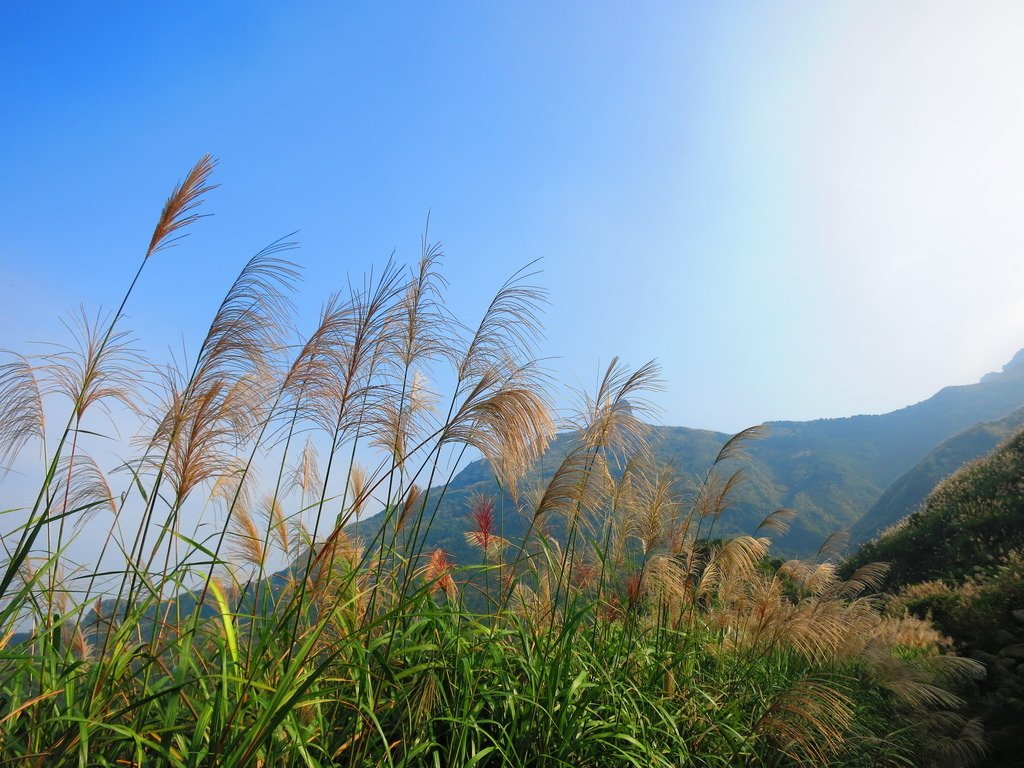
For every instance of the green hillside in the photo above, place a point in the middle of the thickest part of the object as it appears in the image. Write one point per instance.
(830, 471)
(970, 523)
(912, 487)
(959, 560)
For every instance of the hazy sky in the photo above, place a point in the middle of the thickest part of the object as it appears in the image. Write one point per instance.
(801, 209)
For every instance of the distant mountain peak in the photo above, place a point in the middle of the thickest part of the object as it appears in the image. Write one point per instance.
(1013, 368)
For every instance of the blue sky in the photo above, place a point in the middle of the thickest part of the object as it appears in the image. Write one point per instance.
(800, 209)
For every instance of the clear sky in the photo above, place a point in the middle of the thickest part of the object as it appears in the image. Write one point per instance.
(801, 209)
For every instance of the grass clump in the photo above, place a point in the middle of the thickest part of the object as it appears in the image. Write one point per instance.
(230, 617)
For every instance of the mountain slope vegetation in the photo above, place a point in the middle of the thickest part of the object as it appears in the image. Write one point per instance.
(971, 522)
(959, 561)
(912, 487)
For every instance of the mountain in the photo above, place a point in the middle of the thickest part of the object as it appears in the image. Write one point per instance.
(831, 471)
(1014, 367)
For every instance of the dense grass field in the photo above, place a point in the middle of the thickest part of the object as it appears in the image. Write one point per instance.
(228, 618)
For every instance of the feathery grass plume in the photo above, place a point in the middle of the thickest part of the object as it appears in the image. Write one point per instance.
(481, 512)
(506, 420)
(536, 605)
(340, 591)
(613, 520)
(509, 329)
(715, 493)
(304, 475)
(96, 367)
(273, 512)
(870, 576)
(736, 447)
(80, 486)
(613, 418)
(616, 545)
(359, 490)
(211, 411)
(907, 632)
(400, 417)
(411, 506)
(777, 522)
(735, 563)
(246, 538)
(80, 645)
(742, 554)
(585, 575)
(919, 681)
(300, 532)
(573, 486)
(761, 616)
(807, 721)
(483, 535)
(438, 573)
(22, 417)
(636, 587)
(346, 395)
(334, 369)
(834, 546)
(821, 578)
(253, 318)
(622, 491)
(684, 555)
(351, 549)
(654, 506)
(839, 627)
(954, 671)
(197, 433)
(796, 571)
(954, 741)
(819, 623)
(421, 400)
(320, 358)
(247, 403)
(423, 322)
(811, 578)
(234, 483)
(178, 211)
